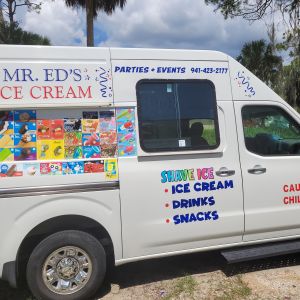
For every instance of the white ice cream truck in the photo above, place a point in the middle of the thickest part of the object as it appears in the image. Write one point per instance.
(109, 156)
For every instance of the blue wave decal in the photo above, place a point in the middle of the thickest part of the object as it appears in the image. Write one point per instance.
(246, 84)
(102, 81)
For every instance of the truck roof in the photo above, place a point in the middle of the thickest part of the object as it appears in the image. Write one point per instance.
(42, 52)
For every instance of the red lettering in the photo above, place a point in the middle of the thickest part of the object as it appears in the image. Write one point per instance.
(18, 92)
(48, 92)
(32, 92)
(71, 93)
(86, 94)
(8, 95)
(286, 200)
(59, 92)
(286, 188)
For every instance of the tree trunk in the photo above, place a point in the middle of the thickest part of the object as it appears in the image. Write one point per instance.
(90, 23)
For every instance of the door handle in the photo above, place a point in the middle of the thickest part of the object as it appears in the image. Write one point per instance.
(223, 172)
(257, 170)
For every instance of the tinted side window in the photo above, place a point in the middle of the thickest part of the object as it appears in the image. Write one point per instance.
(177, 115)
(269, 130)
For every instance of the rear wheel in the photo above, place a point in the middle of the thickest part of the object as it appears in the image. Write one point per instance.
(68, 265)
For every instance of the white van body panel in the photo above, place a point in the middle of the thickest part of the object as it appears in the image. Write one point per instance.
(28, 212)
(246, 86)
(163, 69)
(47, 76)
(144, 195)
(266, 213)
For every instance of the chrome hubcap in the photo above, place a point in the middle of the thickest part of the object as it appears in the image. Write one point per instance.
(67, 270)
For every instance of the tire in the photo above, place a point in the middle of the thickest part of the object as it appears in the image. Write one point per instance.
(70, 258)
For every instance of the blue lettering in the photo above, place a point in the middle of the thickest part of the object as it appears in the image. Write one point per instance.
(164, 177)
(176, 204)
(197, 186)
(228, 184)
(200, 216)
(77, 74)
(176, 219)
(215, 215)
(18, 75)
(212, 186)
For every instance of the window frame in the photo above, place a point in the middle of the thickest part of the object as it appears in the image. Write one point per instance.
(278, 107)
(178, 149)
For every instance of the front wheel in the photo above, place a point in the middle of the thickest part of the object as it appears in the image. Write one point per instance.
(67, 265)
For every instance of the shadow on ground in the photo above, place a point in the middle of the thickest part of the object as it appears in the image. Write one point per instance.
(169, 268)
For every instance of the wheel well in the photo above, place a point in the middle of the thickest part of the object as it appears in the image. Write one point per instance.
(56, 224)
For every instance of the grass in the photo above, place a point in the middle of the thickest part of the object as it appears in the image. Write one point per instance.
(185, 285)
(237, 289)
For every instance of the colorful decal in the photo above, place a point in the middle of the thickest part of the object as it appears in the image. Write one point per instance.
(26, 140)
(6, 140)
(55, 168)
(57, 149)
(7, 154)
(107, 121)
(243, 81)
(31, 169)
(73, 139)
(25, 154)
(73, 168)
(95, 166)
(57, 129)
(91, 152)
(44, 150)
(6, 115)
(111, 169)
(73, 152)
(126, 132)
(198, 182)
(24, 115)
(6, 127)
(11, 170)
(25, 137)
(43, 129)
(90, 125)
(25, 127)
(44, 169)
(108, 150)
(104, 79)
(90, 139)
(71, 125)
(108, 138)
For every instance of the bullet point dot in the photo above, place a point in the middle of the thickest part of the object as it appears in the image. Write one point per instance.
(168, 220)
(167, 205)
(166, 190)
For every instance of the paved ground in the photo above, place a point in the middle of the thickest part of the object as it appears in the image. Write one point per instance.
(197, 276)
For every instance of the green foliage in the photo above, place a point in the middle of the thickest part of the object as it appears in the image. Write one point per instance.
(259, 58)
(92, 8)
(13, 34)
(108, 6)
(253, 10)
(288, 85)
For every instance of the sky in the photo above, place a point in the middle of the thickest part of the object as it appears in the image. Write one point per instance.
(185, 24)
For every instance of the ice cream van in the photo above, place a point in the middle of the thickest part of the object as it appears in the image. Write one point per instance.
(110, 156)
